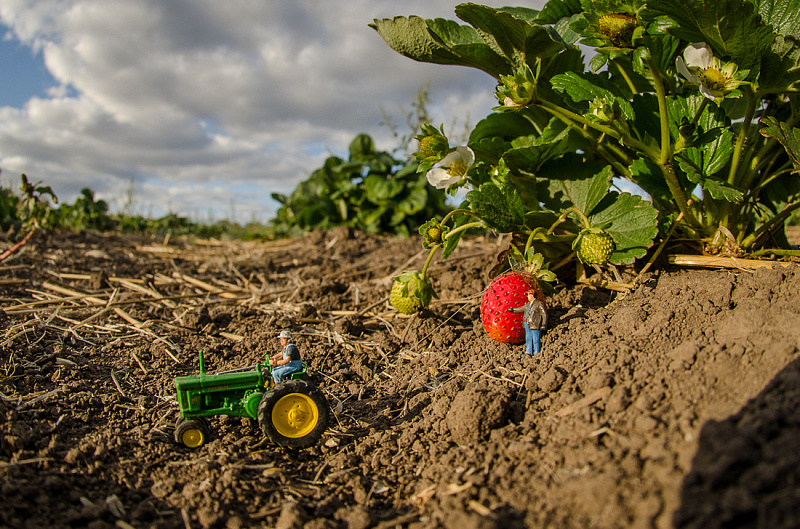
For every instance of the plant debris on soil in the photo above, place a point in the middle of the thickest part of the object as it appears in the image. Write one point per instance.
(672, 405)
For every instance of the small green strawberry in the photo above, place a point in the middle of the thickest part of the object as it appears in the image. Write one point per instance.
(433, 233)
(410, 291)
(594, 246)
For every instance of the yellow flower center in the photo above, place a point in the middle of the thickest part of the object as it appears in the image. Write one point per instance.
(434, 234)
(426, 145)
(618, 28)
(457, 168)
(714, 80)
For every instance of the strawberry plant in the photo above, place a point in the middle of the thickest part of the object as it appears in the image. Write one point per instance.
(371, 191)
(680, 103)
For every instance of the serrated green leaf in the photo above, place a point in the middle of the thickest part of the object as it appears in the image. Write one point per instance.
(598, 61)
(717, 188)
(711, 157)
(721, 190)
(788, 136)
(632, 224)
(576, 182)
(732, 28)
(500, 207)
(647, 175)
(714, 146)
(782, 15)
(588, 87)
(501, 42)
(528, 153)
(504, 33)
(556, 10)
(506, 126)
(645, 107)
(663, 49)
(527, 14)
(441, 42)
(780, 68)
(564, 31)
(517, 39)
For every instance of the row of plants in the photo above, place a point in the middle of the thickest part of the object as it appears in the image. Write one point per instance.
(36, 208)
(692, 102)
(373, 191)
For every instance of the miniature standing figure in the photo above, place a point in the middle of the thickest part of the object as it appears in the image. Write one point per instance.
(534, 321)
(287, 361)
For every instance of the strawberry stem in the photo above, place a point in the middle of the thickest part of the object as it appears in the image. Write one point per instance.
(428, 262)
(581, 215)
(456, 212)
(476, 224)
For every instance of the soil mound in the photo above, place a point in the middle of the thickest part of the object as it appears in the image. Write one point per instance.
(671, 406)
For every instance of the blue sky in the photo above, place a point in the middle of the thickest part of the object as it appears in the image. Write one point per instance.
(204, 107)
(24, 73)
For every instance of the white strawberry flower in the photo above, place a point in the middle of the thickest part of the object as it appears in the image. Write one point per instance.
(715, 78)
(452, 169)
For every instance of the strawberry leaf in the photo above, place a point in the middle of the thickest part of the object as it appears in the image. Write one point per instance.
(789, 137)
(587, 87)
(744, 37)
(500, 207)
(780, 69)
(649, 177)
(783, 16)
(556, 10)
(499, 41)
(440, 42)
(632, 223)
(575, 182)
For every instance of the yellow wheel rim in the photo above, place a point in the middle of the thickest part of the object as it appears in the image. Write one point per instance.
(295, 415)
(192, 437)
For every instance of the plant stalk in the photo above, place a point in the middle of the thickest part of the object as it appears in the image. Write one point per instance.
(737, 150)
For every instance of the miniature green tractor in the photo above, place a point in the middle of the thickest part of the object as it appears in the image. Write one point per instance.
(293, 414)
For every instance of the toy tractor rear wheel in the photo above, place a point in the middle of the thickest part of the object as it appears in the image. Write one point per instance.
(192, 433)
(294, 414)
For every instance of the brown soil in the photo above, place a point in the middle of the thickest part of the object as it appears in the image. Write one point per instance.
(672, 406)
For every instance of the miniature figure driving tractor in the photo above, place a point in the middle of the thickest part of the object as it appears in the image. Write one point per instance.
(293, 414)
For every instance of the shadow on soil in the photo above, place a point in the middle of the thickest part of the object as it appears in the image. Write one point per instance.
(746, 472)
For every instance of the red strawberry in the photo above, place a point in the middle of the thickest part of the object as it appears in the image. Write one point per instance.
(508, 291)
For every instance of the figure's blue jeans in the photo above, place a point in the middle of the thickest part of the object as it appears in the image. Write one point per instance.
(533, 342)
(281, 371)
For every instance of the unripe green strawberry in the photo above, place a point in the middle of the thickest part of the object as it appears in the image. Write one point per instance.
(433, 233)
(594, 246)
(410, 291)
(507, 291)
(401, 300)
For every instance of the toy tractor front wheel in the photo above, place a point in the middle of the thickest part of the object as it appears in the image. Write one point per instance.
(192, 433)
(294, 414)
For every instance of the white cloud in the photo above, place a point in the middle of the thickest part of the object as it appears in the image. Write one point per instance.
(207, 104)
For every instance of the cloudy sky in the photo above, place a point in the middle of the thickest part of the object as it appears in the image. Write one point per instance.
(205, 107)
